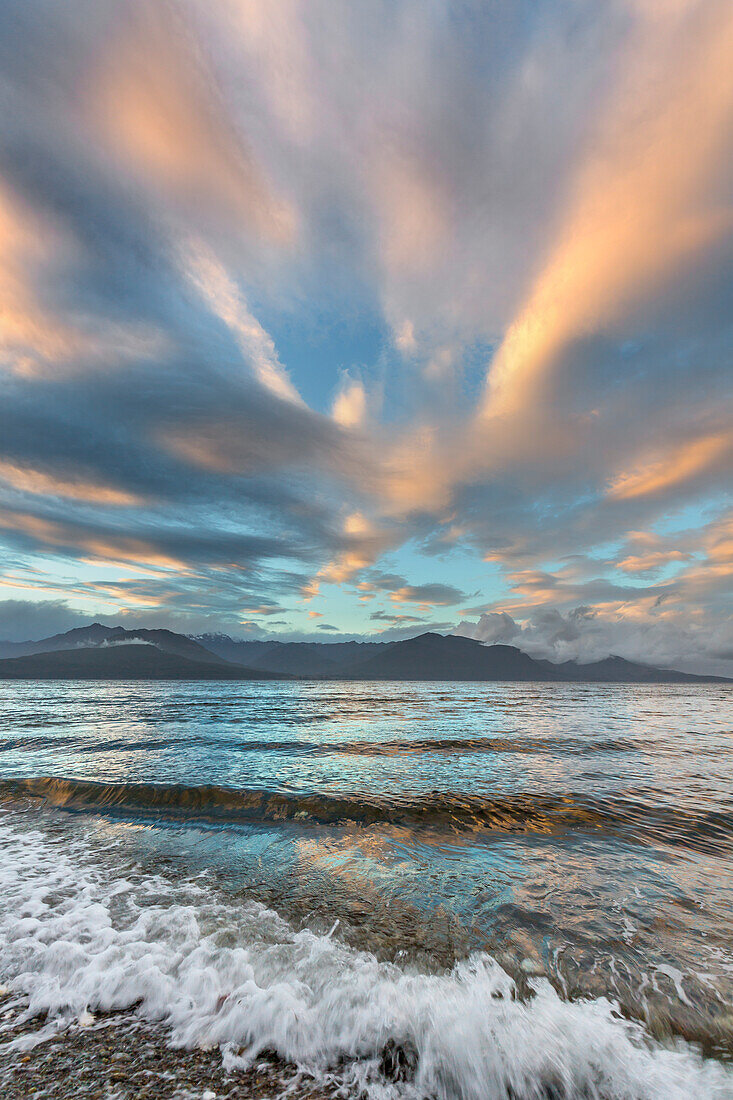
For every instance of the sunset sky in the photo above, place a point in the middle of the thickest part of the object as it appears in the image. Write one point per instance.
(348, 318)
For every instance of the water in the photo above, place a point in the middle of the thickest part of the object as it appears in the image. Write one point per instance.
(526, 889)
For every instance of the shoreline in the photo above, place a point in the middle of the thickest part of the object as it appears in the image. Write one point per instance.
(120, 1056)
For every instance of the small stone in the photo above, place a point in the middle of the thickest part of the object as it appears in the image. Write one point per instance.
(531, 966)
(86, 1019)
(208, 1095)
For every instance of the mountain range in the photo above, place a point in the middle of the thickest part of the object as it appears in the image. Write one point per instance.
(114, 653)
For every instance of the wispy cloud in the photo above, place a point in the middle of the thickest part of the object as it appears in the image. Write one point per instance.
(296, 297)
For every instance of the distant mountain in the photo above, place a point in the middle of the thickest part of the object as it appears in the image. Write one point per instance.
(451, 657)
(129, 661)
(231, 649)
(294, 658)
(429, 657)
(97, 634)
(112, 652)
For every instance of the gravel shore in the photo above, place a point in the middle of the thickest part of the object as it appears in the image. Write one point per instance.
(120, 1057)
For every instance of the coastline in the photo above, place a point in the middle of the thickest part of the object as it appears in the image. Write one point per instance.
(120, 1056)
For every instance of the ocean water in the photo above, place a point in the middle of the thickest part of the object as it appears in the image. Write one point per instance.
(447, 890)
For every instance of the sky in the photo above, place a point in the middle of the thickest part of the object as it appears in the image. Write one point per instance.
(328, 320)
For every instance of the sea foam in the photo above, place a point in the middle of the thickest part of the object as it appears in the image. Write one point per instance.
(74, 938)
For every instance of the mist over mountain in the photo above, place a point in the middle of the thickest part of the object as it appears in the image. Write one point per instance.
(121, 661)
(97, 635)
(103, 652)
(451, 657)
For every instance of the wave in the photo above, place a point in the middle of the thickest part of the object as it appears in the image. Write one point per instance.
(75, 938)
(636, 815)
(404, 747)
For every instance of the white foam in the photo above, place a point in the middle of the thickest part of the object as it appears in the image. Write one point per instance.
(74, 940)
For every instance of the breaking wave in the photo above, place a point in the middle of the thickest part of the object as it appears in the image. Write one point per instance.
(635, 814)
(74, 938)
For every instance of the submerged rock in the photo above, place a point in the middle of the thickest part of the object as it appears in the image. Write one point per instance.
(399, 1061)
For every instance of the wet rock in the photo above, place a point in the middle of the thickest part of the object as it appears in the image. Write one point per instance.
(125, 1058)
(399, 1061)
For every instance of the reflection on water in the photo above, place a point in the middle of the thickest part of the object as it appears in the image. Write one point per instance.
(584, 832)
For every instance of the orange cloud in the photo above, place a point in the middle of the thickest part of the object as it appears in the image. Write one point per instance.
(418, 473)
(646, 563)
(122, 549)
(673, 467)
(719, 545)
(28, 245)
(34, 341)
(162, 116)
(365, 542)
(639, 203)
(340, 570)
(349, 408)
(29, 480)
(129, 596)
(408, 595)
(200, 451)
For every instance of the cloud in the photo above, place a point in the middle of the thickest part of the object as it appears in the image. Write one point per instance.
(350, 405)
(37, 482)
(493, 628)
(155, 104)
(643, 200)
(36, 339)
(290, 288)
(395, 620)
(265, 607)
(666, 601)
(585, 635)
(428, 595)
(226, 301)
(404, 337)
(661, 472)
(30, 620)
(651, 562)
(399, 591)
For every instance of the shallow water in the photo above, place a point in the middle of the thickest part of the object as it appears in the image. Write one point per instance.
(528, 887)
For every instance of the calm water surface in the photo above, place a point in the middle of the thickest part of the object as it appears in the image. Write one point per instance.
(571, 845)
